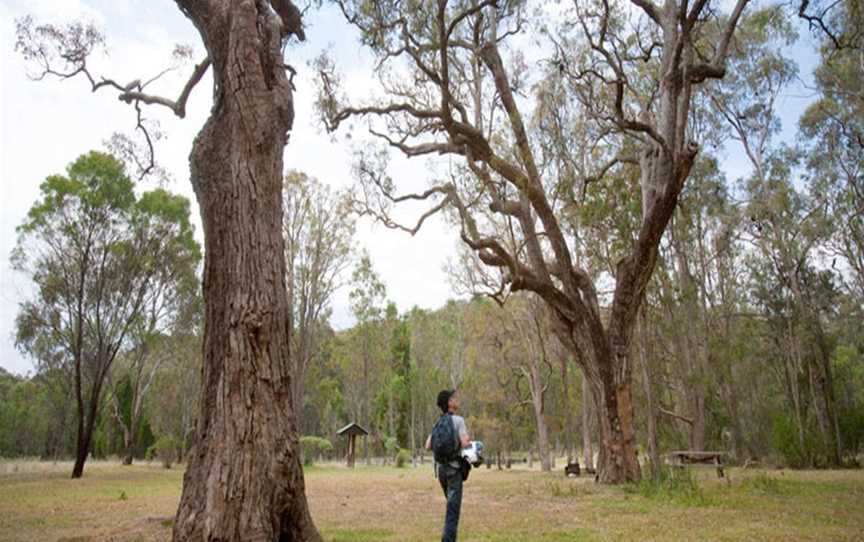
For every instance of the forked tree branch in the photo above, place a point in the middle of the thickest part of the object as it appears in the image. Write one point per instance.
(71, 46)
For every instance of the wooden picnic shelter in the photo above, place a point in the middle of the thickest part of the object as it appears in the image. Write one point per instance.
(352, 431)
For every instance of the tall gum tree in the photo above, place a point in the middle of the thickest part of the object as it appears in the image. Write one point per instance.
(318, 230)
(628, 70)
(99, 257)
(786, 228)
(244, 479)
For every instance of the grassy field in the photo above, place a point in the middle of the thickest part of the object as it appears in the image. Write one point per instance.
(112, 502)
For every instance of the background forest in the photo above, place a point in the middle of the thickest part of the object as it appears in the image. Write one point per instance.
(749, 340)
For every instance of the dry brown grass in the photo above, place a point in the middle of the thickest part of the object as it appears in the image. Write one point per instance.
(112, 502)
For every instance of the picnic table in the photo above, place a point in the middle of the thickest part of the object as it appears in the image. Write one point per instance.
(683, 458)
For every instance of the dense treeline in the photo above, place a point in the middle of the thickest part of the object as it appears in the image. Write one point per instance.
(749, 338)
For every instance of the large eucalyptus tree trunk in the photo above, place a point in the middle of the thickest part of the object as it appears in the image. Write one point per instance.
(618, 460)
(244, 480)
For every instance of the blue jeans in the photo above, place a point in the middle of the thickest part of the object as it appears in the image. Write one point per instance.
(451, 483)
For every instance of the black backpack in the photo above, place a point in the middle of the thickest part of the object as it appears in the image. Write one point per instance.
(445, 441)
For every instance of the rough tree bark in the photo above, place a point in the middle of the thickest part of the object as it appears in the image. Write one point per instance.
(86, 424)
(244, 480)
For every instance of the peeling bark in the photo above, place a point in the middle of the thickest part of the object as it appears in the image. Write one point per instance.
(244, 480)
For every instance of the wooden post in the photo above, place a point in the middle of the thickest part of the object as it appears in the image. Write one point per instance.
(351, 440)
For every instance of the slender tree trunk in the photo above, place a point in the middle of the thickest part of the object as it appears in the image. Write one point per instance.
(543, 446)
(569, 418)
(86, 424)
(82, 447)
(692, 362)
(244, 479)
(413, 429)
(587, 403)
(537, 401)
(729, 392)
(54, 438)
(651, 415)
(825, 385)
(793, 366)
(729, 381)
(82, 444)
(365, 413)
(128, 447)
(128, 430)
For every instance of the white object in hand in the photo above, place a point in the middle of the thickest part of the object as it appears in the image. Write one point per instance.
(473, 453)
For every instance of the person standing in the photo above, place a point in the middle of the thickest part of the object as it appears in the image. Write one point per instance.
(447, 439)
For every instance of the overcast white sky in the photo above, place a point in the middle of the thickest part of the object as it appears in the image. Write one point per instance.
(45, 125)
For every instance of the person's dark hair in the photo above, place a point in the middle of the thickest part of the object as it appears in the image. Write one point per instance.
(444, 398)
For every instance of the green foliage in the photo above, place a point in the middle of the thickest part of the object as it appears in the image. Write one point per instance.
(311, 448)
(368, 292)
(26, 408)
(848, 366)
(96, 181)
(391, 446)
(403, 458)
(795, 449)
(164, 450)
(676, 486)
(109, 268)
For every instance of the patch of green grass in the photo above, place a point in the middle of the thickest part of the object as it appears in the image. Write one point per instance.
(763, 484)
(567, 489)
(675, 487)
(385, 504)
(357, 535)
(577, 535)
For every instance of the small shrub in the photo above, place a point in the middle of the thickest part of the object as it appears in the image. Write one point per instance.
(403, 456)
(311, 448)
(678, 486)
(788, 443)
(123, 495)
(165, 450)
